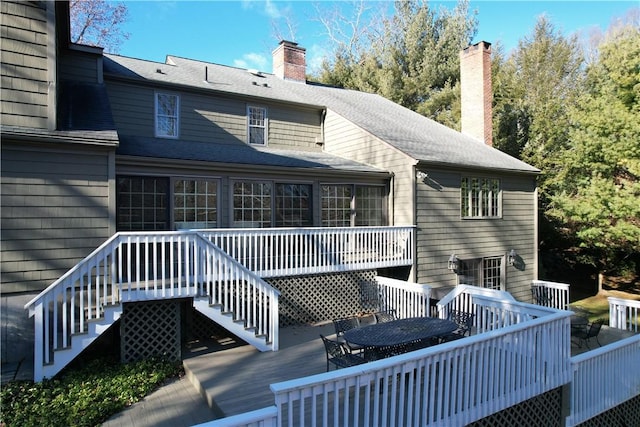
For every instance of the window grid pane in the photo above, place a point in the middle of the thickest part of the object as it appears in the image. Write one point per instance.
(252, 204)
(293, 205)
(257, 125)
(166, 115)
(479, 198)
(195, 204)
(492, 273)
(142, 204)
(369, 206)
(336, 205)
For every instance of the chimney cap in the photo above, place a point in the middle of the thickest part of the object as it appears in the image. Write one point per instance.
(290, 44)
(480, 45)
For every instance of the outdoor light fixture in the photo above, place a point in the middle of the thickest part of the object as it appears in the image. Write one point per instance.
(422, 176)
(453, 263)
(512, 257)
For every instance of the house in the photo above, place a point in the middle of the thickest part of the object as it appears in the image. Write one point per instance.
(95, 144)
(143, 193)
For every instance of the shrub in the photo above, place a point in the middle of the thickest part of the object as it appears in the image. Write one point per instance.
(84, 396)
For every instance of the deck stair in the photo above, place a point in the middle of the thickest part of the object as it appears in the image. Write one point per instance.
(238, 327)
(222, 270)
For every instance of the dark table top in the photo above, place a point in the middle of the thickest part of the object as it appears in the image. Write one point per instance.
(399, 331)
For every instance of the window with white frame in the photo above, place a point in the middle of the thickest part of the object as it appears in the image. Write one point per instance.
(484, 272)
(257, 125)
(167, 115)
(195, 203)
(480, 197)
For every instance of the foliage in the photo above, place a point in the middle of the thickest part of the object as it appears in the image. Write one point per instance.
(411, 58)
(98, 23)
(533, 89)
(86, 396)
(597, 185)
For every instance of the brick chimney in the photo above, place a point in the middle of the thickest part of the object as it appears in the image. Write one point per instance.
(476, 91)
(289, 62)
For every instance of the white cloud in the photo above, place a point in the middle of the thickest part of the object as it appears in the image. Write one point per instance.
(251, 60)
(315, 55)
(271, 10)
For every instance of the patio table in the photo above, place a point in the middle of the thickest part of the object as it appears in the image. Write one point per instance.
(398, 336)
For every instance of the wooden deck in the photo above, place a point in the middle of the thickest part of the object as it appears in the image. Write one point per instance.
(234, 377)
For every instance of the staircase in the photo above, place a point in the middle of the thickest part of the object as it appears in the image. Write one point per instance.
(131, 267)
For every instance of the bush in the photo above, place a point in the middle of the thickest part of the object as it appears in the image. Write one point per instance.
(85, 396)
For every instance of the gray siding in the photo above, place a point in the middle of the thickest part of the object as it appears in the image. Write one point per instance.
(442, 231)
(25, 73)
(212, 118)
(55, 211)
(345, 139)
(79, 67)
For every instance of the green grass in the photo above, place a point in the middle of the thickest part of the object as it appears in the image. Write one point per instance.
(84, 396)
(597, 306)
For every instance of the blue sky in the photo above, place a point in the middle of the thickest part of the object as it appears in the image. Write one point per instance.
(241, 33)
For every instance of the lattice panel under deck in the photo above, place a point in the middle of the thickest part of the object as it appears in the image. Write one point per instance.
(544, 410)
(149, 329)
(625, 415)
(317, 298)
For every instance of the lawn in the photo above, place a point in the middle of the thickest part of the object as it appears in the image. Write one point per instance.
(597, 306)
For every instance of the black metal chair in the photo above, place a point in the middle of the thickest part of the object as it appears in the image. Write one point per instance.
(464, 321)
(591, 331)
(345, 324)
(338, 355)
(385, 316)
(542, 296)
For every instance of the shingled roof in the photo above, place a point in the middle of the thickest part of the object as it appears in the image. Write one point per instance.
(421, 138)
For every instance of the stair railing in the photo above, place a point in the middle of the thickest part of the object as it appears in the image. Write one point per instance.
(135, 266)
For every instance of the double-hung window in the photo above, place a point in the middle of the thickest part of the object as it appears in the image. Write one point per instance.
(167, 115)
(257, 125)
(480, 197)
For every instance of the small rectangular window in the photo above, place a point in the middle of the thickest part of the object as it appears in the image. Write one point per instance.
(257, 123)
(480, 198)
(167, 115)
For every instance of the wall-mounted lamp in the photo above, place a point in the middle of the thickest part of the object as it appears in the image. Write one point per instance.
(512, 257)
(421, 176)
(454, 263)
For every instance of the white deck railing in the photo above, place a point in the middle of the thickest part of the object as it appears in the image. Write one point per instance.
(550, 294)
(455, 383)
(624, 314)
(148, 266)
(604, 378)
(278, 252)
(406, 298)
(461, 299)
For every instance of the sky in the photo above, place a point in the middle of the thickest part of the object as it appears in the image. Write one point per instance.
(243, 33)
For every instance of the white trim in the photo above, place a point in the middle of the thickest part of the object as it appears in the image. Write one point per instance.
(156, 114)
